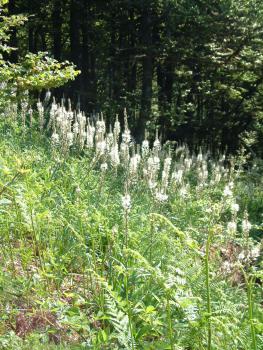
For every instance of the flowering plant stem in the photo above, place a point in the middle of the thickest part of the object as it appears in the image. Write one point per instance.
(249, 280)
(208, 291)
(169, 319)
(126, 218)
(129, 308)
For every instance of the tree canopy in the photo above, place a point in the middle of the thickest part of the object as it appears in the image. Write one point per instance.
(193, 69)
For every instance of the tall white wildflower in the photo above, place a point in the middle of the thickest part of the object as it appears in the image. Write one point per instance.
(177, 176)
(24, 106)
(75, 129)
(101, 146)
(126, 202)
(199, 157)
(14, 110)
(114, 155)
(156, 163)
(145, 148)
(124, 152)
(109, 140)
(167, 164)
(166, 172)
(117, 128)
(202, 172)
(126, 136)
(161, 196)
(82, 129)
(246, 225)
(47, 96)
(232, 227)
(227, 191)
(152, 184)
(184, 191)
(30, 112)
(100, 127)
(153, 166)
(52, 114)
(133, 166)
(90, 133)
(103, 167)
(217, 174)
(187, 163)
(40, 109)
(55, 139)
(70, 138)
(234, 208)
(156, 144)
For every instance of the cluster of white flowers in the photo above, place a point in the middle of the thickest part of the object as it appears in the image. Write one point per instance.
(246, 225)
(40, 109)
(126, 202)
(24, 110)
(234, 208)
(232, 227)
(133, 165)
(145, 148)
(161, 196)
(162, 170)
(228, 190)
(250, 254)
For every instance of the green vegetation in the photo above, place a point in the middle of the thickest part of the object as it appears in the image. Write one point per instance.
(108, 247)
(32, 72)
(110, 244)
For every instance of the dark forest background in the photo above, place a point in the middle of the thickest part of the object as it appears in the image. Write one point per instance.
(192, 68)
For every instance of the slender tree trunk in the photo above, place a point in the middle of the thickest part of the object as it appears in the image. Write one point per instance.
(112, 62)
(132, 66)
(115, 63)
(75, 31)
(75, 47)
(57, 24)
(147, 74)
(88, 63)
(31, 37)
(162, 98)
(43, 41)
(169, 71)
(85, 62)
(13, 56)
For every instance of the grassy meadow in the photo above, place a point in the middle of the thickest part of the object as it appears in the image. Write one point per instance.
(109, 245)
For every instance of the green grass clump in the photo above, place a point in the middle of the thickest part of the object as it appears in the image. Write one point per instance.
(92, 259)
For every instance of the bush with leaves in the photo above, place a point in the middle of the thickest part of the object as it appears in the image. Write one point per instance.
(34, 71)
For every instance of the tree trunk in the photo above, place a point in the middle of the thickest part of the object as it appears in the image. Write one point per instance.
(75, 31)
(75, 47)
(30, 38)
(57, 24)
(147, 74)
(132, 67)
(88, 69)
(13, 56)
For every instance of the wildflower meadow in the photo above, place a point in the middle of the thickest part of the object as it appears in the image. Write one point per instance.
(131, 162)
(106, 244)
